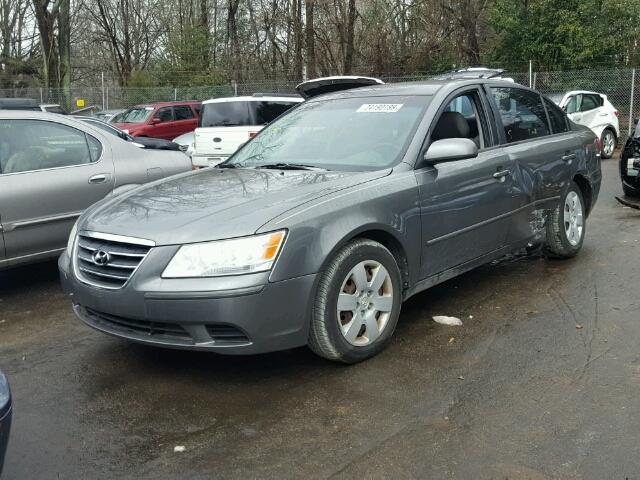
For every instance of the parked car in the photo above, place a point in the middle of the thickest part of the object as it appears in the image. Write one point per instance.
(630, 164)
(5, 417)
(186, 142)
(28, 104)
(227, 123)
(319, 228)
(166, 120)
(52, 167)
(595, 111)
(142, 142)
(107, 115)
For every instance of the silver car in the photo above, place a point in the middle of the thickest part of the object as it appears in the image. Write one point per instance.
(52, 168)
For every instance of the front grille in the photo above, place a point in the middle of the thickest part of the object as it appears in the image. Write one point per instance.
(116, 267)
(169, 331)
(227, 334)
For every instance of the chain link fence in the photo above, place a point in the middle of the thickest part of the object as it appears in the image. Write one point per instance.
(620, 86)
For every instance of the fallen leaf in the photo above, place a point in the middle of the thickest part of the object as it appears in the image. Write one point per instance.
(179, 448)
(444, 320)
(578, 326)
(452, 339)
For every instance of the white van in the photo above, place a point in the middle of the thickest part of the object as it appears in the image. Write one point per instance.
(226, 123)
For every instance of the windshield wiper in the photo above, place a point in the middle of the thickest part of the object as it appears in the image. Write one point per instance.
(289, 166)
(226, 165)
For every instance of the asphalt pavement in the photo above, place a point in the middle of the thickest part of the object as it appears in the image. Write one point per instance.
(542, 381)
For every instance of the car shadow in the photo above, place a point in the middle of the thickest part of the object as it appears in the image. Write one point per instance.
(35, 276)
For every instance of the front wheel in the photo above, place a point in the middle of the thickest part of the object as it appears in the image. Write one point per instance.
(608, 141)
(566, 225)
(357, 303)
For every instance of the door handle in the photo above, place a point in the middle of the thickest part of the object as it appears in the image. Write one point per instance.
(568, 157)
(501, 174)
(100, 178)
(604, 114)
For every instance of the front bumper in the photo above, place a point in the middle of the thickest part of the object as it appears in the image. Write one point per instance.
(234, 316)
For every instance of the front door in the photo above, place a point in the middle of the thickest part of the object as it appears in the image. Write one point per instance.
(49, 173)
(465, 204)
(162, 124)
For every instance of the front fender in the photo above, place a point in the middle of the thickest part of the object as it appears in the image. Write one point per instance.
(388, 206)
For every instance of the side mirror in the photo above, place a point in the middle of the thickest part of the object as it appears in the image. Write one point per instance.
(450, 150)
(155, 121)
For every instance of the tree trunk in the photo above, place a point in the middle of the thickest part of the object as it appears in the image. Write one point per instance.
(312, 69)
(64, 49)
(351, 22)
(232, 34)
(298, 39)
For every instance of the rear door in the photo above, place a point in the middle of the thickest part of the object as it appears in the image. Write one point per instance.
(185, 120)
(540, 152)
(49, 173)
(594, 115)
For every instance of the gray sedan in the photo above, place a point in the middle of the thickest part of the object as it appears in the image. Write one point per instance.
(52, 167)
(317, 230)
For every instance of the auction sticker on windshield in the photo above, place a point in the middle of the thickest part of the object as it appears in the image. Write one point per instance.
(380, 107)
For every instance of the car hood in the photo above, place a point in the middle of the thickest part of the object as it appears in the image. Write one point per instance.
(214, 203)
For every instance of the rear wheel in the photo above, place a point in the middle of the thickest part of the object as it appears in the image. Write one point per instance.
(357, 303)
(566, 225)
(608, 140)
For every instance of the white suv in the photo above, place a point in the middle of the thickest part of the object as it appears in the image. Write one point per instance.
(595, 111)
(227, 123)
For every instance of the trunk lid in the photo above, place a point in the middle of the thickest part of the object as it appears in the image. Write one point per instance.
(319, 86)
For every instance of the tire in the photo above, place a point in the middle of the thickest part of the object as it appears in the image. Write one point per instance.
(564, 238)
(346, 335)
(629, 191)
(608, 141)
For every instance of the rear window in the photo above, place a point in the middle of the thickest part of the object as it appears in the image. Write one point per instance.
(239, 114)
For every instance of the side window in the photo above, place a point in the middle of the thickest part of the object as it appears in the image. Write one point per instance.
(463, 117)
(27, 145)
(522, 113)
(95, 148)
(183, 112)
(572, 104)
(589, 102)
(267, 112)
(165, 114)
(557, 117)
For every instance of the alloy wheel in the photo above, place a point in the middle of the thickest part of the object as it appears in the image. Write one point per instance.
(365, 303)
(608, 144)
(573, 218)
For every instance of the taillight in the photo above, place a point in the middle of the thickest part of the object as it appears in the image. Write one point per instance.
(252, 134)
(193, 167)
(616, 113)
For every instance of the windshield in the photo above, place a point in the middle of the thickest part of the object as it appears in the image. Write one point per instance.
(135, 115)
(353, 134)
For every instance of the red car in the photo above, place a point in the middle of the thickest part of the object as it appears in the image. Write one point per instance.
(166, 120)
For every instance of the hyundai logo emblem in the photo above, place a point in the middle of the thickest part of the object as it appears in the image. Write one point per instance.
(217, 140)
(100, 257)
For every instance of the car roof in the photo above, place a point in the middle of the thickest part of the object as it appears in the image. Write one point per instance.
(576, 92)
(424, 88)
(167, 104)
(260, 98)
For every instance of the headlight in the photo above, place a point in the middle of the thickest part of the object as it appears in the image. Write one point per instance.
(72, 238)
(226, 257)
